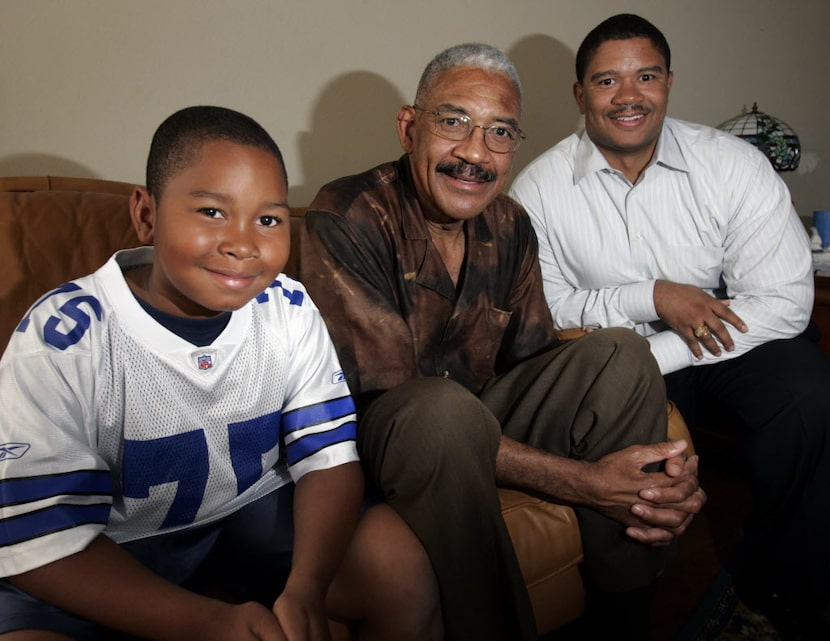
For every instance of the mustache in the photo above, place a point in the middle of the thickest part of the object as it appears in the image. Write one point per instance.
(462, 170)
(627, 108)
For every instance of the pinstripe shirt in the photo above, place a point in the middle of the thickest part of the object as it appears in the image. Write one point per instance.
(709, 211)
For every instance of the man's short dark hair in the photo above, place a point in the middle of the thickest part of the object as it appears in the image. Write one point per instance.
(623, 26)
(179, 139)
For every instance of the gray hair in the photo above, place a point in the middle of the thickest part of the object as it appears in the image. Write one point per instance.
(473, 54)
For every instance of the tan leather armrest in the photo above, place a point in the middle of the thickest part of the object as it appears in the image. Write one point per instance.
(569, 334)
(678, 429)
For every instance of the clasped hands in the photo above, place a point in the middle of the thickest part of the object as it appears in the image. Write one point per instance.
(696, 316)
(655, 507)
(290, 618)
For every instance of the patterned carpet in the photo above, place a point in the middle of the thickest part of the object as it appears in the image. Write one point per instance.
(722, 616)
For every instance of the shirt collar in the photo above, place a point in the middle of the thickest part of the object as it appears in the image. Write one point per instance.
(588, 159)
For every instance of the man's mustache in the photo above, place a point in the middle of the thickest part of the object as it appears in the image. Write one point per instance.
(635, 108)
(465, 170)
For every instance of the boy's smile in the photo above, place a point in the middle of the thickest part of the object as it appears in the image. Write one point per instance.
(220, 229)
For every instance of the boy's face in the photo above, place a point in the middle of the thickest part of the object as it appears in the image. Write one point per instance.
(220, 230)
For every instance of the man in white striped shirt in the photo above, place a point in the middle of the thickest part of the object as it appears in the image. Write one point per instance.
(688, 236)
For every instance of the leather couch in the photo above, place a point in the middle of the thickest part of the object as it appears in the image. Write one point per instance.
(55, 229)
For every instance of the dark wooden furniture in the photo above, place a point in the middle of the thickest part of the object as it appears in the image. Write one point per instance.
(821, 311)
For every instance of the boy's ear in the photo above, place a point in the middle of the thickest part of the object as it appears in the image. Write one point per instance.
(143, 214)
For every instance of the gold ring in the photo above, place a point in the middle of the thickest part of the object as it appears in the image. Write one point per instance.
(702, 331)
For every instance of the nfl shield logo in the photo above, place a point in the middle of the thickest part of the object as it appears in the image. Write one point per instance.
(205, 361)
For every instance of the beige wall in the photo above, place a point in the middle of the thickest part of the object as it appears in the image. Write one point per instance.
(85, 82)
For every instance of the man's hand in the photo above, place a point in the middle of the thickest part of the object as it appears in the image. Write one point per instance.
(686, 308)
(656, 506)
(661, 507)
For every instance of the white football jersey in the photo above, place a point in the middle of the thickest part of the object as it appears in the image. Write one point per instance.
(111, 422)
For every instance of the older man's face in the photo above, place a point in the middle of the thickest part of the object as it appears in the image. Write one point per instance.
(456, 180)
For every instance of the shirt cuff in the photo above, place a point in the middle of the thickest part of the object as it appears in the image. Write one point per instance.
(637, 302)
(670, 352)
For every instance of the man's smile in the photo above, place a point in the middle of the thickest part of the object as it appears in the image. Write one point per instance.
(631, 114)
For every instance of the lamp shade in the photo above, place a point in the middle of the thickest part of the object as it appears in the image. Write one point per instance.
(774, 137)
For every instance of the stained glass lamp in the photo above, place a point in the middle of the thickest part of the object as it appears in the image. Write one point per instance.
(774, 137)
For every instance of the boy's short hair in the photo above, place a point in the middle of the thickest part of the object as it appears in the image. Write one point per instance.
(623, 26)
(180, 137)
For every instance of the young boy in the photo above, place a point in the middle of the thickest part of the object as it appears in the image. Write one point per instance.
(176, 424)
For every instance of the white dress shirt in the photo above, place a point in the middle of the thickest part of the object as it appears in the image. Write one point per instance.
(708, 211)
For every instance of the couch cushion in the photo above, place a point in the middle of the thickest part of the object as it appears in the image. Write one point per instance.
(549, 549)
(50, 237)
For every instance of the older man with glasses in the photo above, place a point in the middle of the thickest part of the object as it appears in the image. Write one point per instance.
(428, 278)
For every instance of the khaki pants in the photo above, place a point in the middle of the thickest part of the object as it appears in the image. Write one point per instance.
(429, 446)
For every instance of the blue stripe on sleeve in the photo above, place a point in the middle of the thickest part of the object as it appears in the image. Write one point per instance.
(65, 288)
(54, 519)
(316, 414)
(313, 443)
(24, 490)
(294, 296)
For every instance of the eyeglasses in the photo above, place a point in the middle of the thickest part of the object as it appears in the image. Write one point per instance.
(451, 125)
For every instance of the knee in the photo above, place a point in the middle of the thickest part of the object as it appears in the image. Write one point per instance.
(620, 339)
(794, 382)
(631, 351)
(431, 415)
(811, 405)
(621, 352)
(404, 599)
(410, 598)
(424, 432)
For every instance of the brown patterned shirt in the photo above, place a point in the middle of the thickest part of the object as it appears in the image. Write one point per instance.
(391, 307)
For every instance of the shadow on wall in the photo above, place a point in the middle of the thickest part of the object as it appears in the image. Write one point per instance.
(43, 165)
(352, 130)
(549, 114)
(353, 120)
